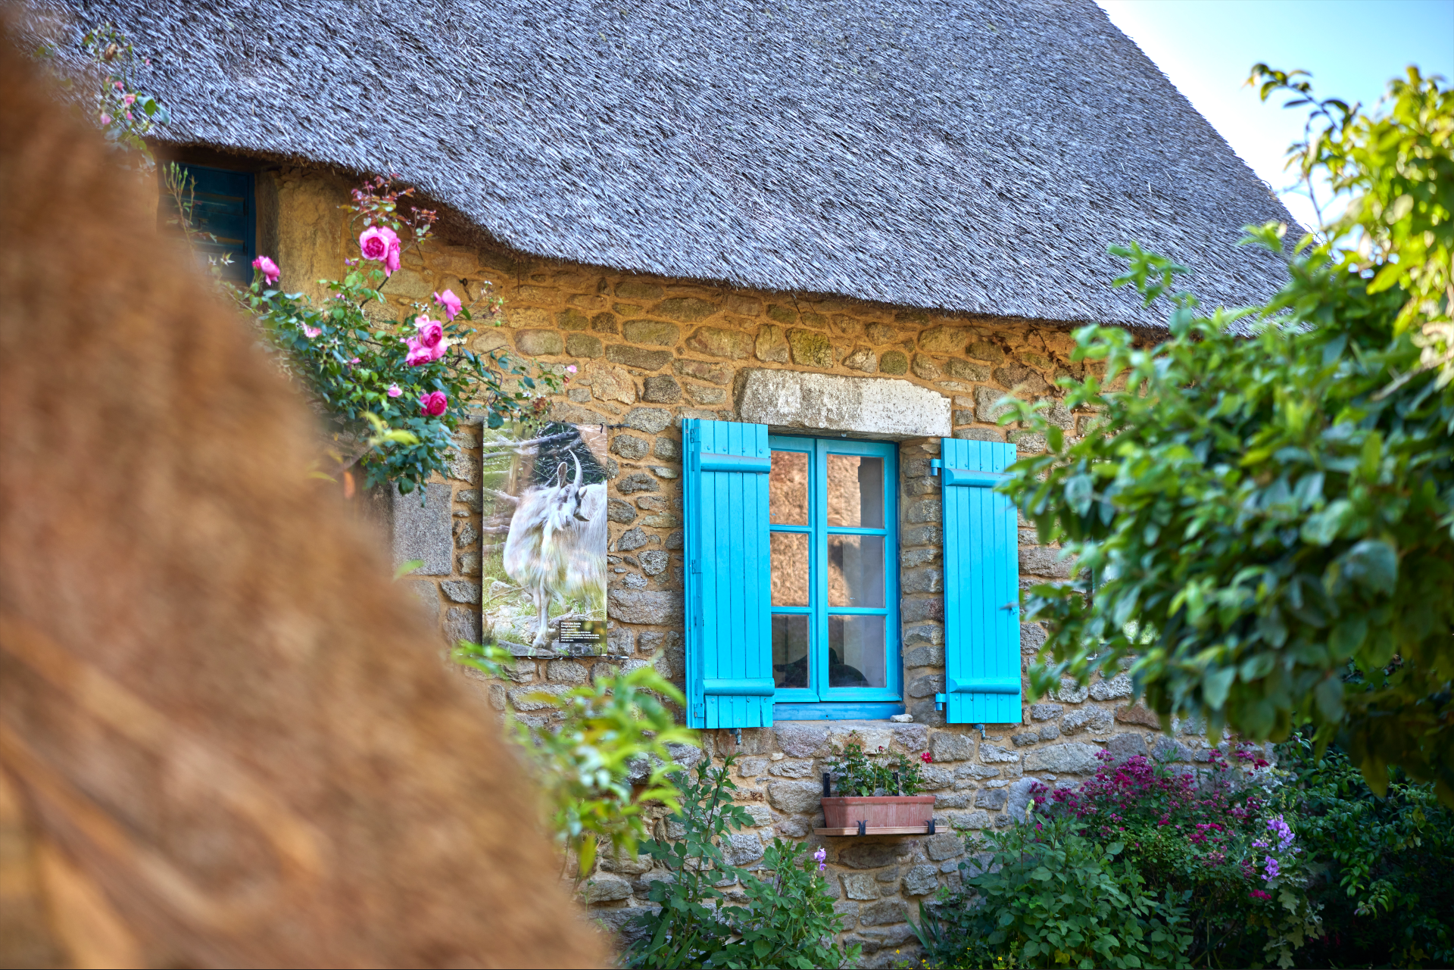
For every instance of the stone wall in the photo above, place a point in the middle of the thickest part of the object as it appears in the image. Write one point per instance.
(651, 351)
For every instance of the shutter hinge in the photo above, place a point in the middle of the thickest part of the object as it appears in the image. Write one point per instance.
(940, 700)
(934, 465)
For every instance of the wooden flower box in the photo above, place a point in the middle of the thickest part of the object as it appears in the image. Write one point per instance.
(877, 815)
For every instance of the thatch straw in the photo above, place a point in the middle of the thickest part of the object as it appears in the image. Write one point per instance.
(974, 156)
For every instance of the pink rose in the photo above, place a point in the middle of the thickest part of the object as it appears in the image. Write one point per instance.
(450, 302)
(418, 353)
(129, 100)
(380, 243)
(117, 85)
(393, 390)
(434, 404)
(431, 332)
(269, 269)
(105, 119)
(128, 116)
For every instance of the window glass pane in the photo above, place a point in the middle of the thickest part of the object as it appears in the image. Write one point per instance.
(855, 570)
(787, 488)
(855, 491)
(855, 651)
(789, 569)
(790, 650)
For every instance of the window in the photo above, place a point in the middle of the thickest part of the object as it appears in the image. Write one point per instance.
(833, 561)
(792, 594)
(225, 213)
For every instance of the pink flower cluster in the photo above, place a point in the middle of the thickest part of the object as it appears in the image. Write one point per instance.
(450, 302)
(381, 244)
(428, 345)
(268, 268)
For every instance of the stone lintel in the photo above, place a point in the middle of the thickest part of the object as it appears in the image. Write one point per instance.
(872, 407)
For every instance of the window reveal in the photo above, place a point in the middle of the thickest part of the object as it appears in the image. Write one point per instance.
(833, 553)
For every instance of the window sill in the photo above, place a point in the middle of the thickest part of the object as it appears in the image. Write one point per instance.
(879, 711)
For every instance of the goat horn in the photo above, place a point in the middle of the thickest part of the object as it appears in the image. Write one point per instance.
(578, 467)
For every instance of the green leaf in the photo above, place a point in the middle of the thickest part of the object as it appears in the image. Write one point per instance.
(1329, 697)
(1321, 528)
(1373, 564)
(1216, 684)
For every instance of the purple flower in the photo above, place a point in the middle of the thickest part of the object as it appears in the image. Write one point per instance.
(821, 855)
(1273, 869)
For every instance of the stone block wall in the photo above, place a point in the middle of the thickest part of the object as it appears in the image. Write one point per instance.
(652, 351)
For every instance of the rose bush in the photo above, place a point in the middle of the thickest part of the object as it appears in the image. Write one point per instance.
(393, 392)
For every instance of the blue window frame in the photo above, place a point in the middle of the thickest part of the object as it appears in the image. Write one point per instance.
(224, 211)
(833, 550)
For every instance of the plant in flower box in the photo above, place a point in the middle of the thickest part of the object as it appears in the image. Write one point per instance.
(877, 791)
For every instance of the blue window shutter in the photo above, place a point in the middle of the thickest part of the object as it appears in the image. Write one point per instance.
(729, 629)
(981, 585)
(224, 211)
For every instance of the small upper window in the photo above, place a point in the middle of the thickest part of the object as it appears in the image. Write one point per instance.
(223, 214)
(834, 595)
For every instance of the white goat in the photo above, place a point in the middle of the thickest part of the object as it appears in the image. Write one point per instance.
(556, 546)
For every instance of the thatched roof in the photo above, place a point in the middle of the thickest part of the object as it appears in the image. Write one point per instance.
(962, 155)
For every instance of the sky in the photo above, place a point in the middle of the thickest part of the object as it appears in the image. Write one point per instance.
(1351, 47)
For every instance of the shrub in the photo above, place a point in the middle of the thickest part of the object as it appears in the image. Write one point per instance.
(786, 918)
(411, 382)
(1383, 867)
(1054, 898)
(1212, 839)
(587, 760)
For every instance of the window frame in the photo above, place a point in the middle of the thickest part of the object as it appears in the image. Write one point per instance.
(819, 701)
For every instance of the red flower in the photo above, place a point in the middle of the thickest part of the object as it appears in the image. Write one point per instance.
(927, 758)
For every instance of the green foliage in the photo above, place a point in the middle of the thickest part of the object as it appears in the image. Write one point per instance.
(1385, 866)
(858, 774)
(1264, 517)
(587, 759)
(1397, 170)
(1055, 898)
(786, 918)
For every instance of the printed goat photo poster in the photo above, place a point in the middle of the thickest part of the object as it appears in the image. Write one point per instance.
(543, 581)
